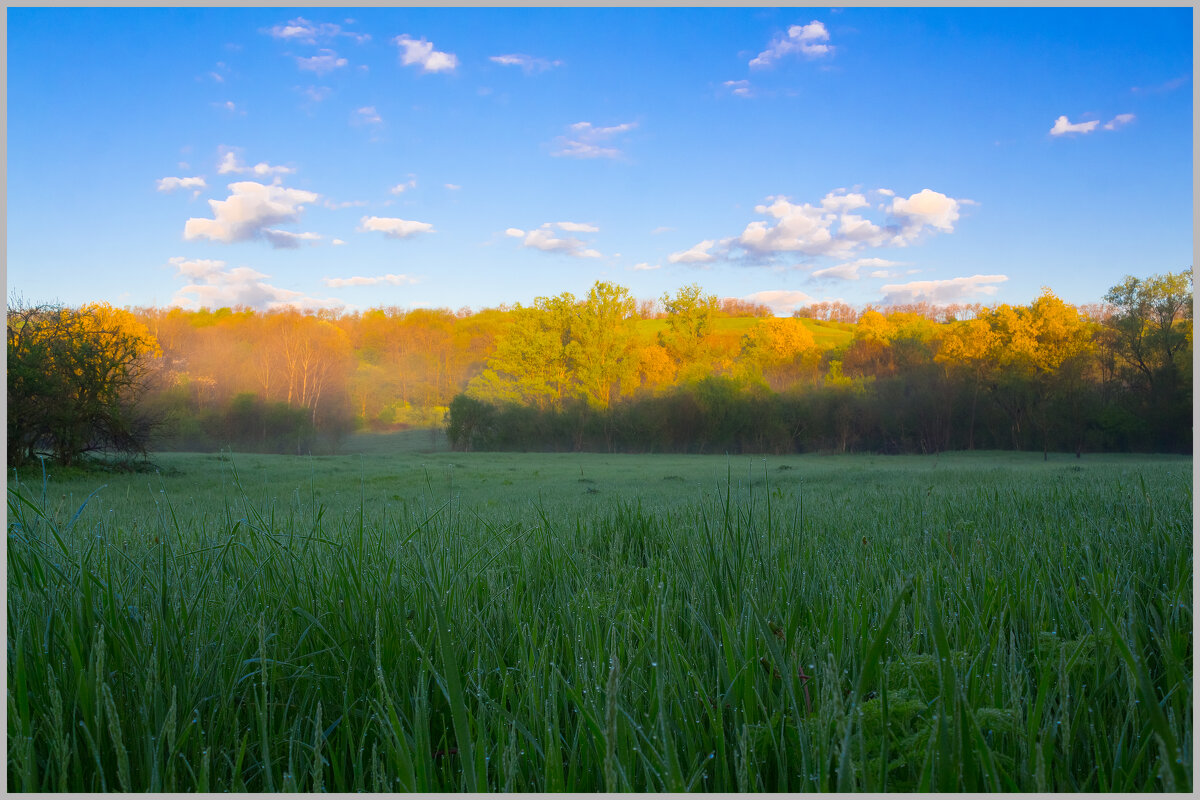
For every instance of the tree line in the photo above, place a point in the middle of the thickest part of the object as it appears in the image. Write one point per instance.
(688, 372)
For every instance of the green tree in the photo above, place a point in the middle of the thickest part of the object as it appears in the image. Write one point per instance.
(602, 344)
(73, 378)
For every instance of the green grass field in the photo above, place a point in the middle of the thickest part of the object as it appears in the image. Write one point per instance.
(406, 618)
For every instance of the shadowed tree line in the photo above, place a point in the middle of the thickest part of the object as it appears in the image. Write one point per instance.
(1044, 376)
(686, 373)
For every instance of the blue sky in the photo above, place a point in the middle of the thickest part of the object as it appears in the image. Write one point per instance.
(353, 158)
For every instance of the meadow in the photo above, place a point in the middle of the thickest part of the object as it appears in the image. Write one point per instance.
(406, 618)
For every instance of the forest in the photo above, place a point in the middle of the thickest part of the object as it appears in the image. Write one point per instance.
(688, 372)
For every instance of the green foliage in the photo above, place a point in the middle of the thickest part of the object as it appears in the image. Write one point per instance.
(429, 623)
(74, 376)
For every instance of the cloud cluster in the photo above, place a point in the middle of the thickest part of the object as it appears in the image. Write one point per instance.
(286, 240)
(230, 165)
(528, 64)
(394, 280)
(301, 30)
(807, 40)
(941, 291)
(214, 286)
(739, 88)
(394, 227)
(584, 140)
(848, 271)
(325, 61)
(400, 188)
(543, 238)
(367, 115)
(1063, 126)
(836, 227)
(248, 212)
(171, 184)
(419, 52)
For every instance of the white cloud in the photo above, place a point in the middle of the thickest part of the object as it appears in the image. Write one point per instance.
(781, 301)
(943, 291)
(301, 30)
(644, 266)
(848, 271)
(528, 64)
(739, 88)
(807, 40)
(421, 53)
(367, 115)
(334, 206)
(1118, 121)
(231, 165)
(213, 286)
(661, 229)
(337, 242)
(1062, 126)
(318, 93)
(400, 188)
(586, 141)
(575, 227)
(394, 280)
(250, 209)
(229, 106)
(832, 229)
(327, 61)
(454, 187)
(286, 240)
(171, 184)
(393, 227)
(696, 254)
(926, 208)
(543, 238)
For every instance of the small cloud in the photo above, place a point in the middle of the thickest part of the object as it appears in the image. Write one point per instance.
(393, 227)
(1063, 126)
(849, 270)
(575, 227)
(454, 187)
(807, 40)
(318, 93)
(230, 164)
(229, 106)
(1118, 121)
(394, 280)
(418, 52)
(327, 61)
(1169, 86)
(781, 301)
(171, 184)
(739, 88)
(400, 188)
(942, 291)
(528, 64)
(286, 240)
(367, 115)
(645, 267)
(301, 30)
(334, 206)
(248, 211)
(337, 242)
(543, 238)
(661, 229)
(696, 254)
(586, 141)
